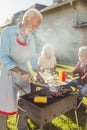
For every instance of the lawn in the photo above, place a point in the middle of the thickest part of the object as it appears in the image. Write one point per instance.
(62, 122)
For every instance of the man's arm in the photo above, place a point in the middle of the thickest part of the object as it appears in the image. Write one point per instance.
(18, 71)
(23, 74)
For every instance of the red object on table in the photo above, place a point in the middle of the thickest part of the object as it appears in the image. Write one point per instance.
(63, 75)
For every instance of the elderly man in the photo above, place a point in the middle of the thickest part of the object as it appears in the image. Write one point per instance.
(17, 45)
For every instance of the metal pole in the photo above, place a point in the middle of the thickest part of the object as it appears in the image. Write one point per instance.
(50, 125)
(86, 120)
(41, 127)
(18, 86)
(77, 120)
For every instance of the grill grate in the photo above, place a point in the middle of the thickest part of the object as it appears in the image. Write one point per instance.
(29, 97)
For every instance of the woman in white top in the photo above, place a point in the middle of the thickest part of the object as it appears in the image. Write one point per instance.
(47, 59)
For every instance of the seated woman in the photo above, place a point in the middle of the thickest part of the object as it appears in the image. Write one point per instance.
(47, 59)
(81, 70)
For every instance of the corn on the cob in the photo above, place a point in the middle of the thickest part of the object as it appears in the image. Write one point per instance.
(40, 99)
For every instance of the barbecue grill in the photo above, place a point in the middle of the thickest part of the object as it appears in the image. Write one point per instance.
(56, 105)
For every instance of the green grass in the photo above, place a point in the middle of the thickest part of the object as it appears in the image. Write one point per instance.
(62, 122)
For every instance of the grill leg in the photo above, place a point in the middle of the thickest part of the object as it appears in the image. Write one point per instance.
(41, 128)
(77, 120)
(86, 120)
(50, 125)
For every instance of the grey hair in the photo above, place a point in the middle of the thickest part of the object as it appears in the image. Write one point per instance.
(46, 48)
(32, 12)
(83, 49)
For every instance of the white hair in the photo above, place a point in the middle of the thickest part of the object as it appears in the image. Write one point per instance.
(83, 49)
(32, 12)
(47, 47)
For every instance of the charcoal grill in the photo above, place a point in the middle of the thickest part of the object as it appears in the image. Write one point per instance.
(44, 113)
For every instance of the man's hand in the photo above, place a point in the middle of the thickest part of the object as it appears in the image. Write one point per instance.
(23, 74)
(27, 76)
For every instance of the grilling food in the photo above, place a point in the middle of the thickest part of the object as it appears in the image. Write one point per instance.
(40, 78)
(36, 76)
(40, 99)
(48, 94)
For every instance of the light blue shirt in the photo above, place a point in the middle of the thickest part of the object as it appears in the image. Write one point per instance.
(8, 37)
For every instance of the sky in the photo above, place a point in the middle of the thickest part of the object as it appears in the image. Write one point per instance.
(9, 7)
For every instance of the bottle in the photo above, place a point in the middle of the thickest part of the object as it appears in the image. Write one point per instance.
(62, 75)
